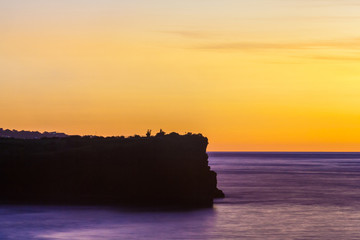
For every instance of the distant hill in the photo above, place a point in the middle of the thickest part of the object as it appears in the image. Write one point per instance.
(7, 133)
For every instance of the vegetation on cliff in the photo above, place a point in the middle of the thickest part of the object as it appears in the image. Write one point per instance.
(162, 169)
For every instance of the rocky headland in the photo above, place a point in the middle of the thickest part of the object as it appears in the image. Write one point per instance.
(166, 169)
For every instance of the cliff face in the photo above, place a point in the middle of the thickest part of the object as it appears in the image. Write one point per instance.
(168, 169)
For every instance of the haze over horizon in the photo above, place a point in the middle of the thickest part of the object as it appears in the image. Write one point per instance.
(261, 75)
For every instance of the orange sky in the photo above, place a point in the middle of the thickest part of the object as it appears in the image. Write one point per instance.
(262, 75)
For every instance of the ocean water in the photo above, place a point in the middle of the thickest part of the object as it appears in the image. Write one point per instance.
(268, 196)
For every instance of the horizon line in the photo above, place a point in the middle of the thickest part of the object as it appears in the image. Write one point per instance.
(282, 152)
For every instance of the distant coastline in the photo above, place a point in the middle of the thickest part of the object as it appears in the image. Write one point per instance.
(7, 133)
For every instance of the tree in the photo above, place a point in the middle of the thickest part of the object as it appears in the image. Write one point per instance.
(148, 133)
(161, 133)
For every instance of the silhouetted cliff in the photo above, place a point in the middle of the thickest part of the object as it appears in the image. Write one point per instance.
(165, 169)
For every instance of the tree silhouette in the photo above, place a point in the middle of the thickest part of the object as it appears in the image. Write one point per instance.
(148, 133)
(160, 133)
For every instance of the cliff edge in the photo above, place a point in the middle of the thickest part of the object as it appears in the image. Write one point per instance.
(165, 169)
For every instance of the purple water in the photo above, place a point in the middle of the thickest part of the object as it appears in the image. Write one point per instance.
(269, 196)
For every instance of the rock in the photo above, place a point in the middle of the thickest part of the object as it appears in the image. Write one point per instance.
(162, 170)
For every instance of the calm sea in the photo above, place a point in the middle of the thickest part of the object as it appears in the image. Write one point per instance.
(269, 196)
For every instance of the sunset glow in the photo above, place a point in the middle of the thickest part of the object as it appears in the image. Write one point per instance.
(261, 75)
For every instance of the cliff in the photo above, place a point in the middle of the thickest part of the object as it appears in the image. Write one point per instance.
(162, 170)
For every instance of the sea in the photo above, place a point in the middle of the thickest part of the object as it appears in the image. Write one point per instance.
(269, 196)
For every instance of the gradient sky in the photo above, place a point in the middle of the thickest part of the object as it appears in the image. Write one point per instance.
(270, 75)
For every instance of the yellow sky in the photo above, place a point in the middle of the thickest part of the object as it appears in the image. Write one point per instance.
(261, 75)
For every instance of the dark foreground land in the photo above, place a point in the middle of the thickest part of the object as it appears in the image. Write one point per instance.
(162, 170)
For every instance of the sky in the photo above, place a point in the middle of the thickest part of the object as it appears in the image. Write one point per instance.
(259, 75)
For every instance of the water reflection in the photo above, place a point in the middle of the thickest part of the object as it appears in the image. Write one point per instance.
(102, 223)
(267, 198)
